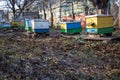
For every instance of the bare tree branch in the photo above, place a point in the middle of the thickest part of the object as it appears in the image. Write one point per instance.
(18, 6)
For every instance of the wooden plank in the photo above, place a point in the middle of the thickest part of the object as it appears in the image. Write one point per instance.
(91, 37)
(102, 38)
(70, 35)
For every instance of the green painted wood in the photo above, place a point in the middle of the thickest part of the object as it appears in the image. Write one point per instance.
(105, 30)
(71, 31)
(100, 30)
(22, 27)
(30, 29)
(7, 27)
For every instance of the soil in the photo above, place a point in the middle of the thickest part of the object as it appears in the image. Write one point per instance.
(54, 57)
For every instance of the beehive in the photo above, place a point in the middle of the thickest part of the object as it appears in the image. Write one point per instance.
(99, 24)
(22, 25)
(15, 24)
(5, 25)
(70, 27)
(40, 26)
(28, 25)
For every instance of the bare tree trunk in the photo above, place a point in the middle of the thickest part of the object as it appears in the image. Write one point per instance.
(14, 15)
(8, 15)
(13, 10)
(73, 15)
(119, 15)
(86, 10)
(86, 7)
(51, 14)
(60, 10)
(44, 11)
(17, 5)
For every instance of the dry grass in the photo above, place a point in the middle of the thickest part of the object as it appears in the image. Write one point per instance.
(57, 58)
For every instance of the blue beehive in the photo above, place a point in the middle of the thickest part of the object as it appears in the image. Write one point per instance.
(71, 27)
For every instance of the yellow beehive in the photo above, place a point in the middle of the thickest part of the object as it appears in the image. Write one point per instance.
(15, 23)
(22, 24)
(63, 26)
(99, 21)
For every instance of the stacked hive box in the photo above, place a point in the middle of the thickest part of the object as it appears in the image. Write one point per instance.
(99, 24)
(70, 27)
(40, 26)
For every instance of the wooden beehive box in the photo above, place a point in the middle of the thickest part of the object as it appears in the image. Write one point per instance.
(22, 24)
(99, 24)
(6, 25)
(40, 25)
(28, 25)
(15, 23)
(70, 27)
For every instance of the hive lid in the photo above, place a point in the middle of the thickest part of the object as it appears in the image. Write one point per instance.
(40, 20)
(102, 15)
(70, 22)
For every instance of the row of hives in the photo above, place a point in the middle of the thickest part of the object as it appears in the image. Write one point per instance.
(33, 25)
(101, 24)
(95, 24)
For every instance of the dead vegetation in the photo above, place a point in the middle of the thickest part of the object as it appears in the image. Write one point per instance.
(57, 58)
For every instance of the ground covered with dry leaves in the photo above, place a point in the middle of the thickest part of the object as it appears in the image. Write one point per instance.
(57, 58)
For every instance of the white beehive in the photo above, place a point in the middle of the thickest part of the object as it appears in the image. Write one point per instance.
(40, 25)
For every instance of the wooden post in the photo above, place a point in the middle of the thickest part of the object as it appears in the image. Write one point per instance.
(99, 11)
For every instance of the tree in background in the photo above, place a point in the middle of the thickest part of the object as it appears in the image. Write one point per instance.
(50, 3)
(47, 5)
(101, 4)
(18, 6)
(43, 5)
